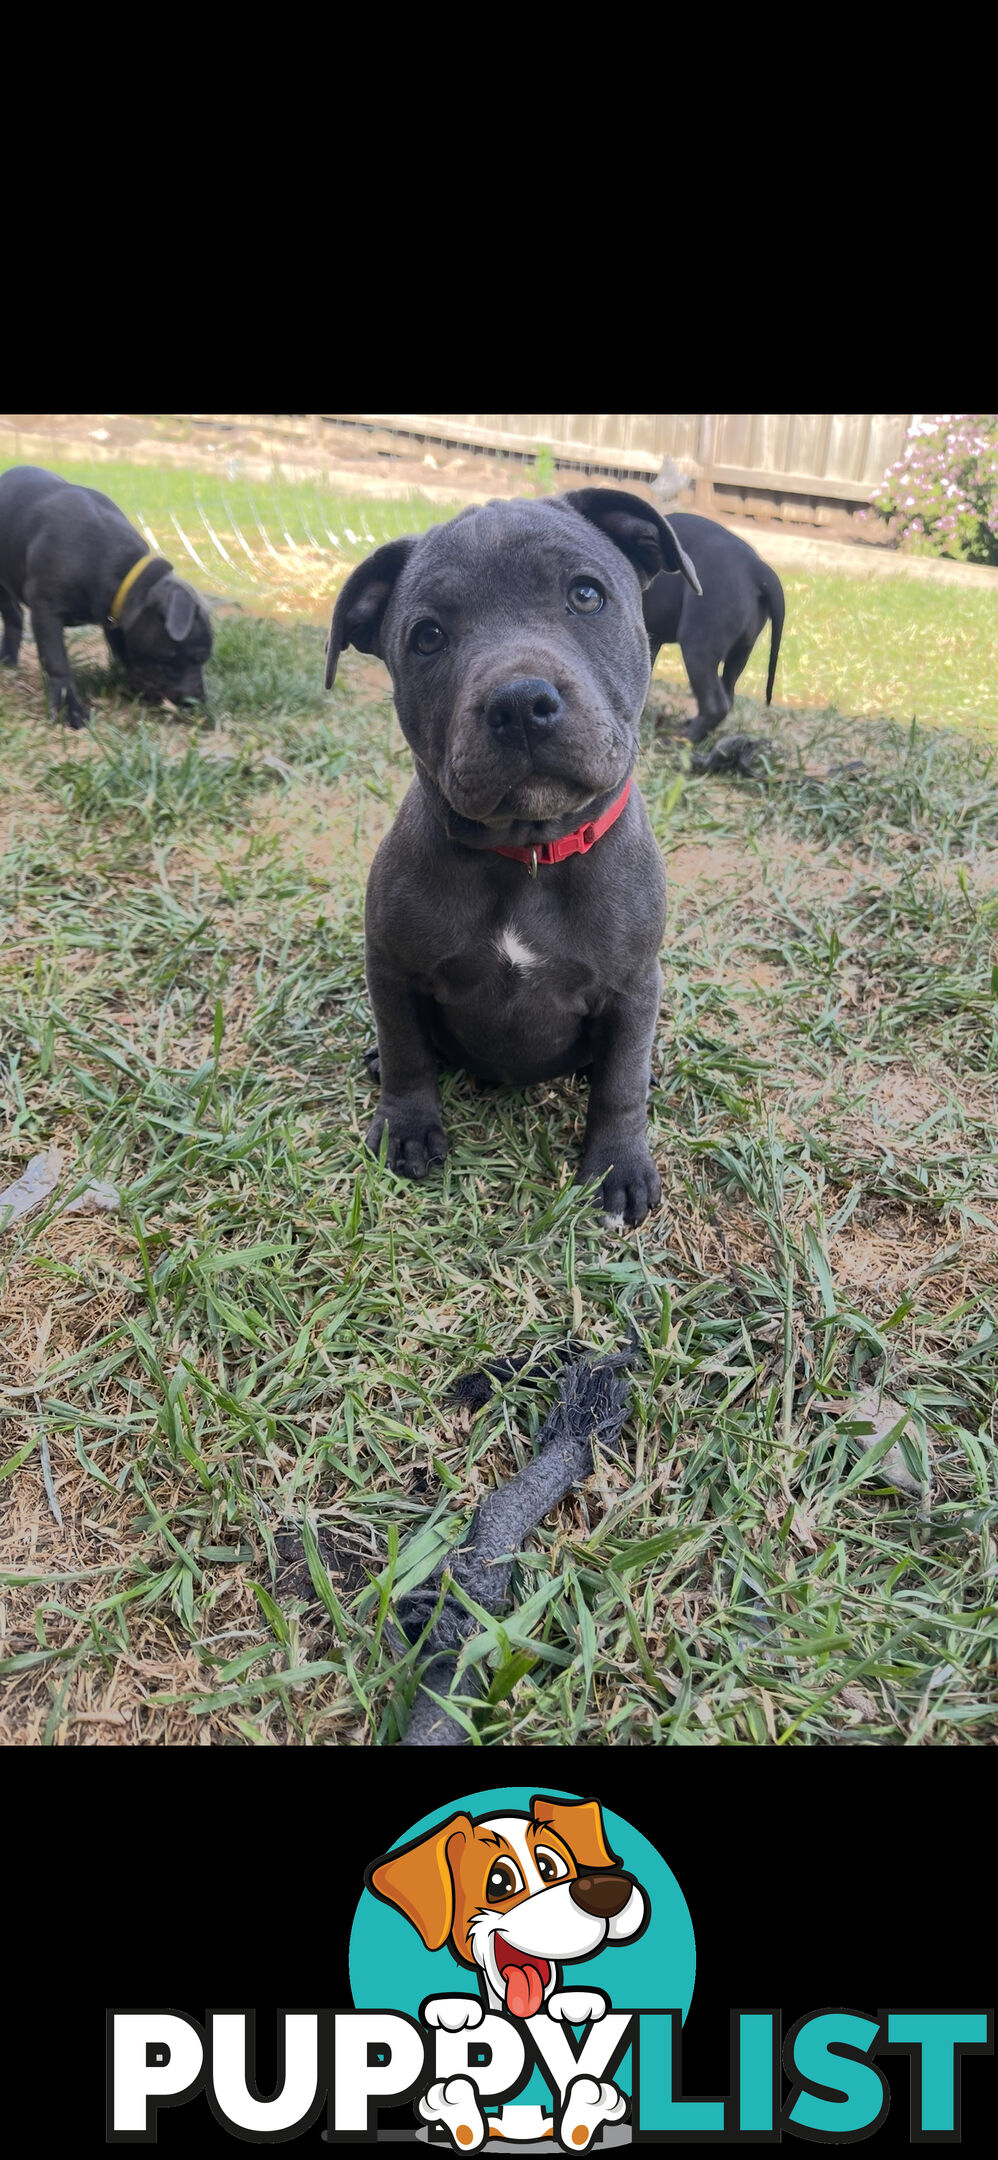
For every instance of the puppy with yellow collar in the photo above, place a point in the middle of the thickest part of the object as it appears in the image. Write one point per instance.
(514, 1897)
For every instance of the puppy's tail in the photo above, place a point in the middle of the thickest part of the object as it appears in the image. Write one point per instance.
(772, 592)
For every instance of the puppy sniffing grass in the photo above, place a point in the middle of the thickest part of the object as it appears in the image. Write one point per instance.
(70, 555)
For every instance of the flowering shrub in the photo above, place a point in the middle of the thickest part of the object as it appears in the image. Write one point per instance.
(941, 498)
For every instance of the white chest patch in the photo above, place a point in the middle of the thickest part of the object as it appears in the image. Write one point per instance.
(513, 950)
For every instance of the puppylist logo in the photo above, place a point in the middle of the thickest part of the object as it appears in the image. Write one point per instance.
(521, 1967)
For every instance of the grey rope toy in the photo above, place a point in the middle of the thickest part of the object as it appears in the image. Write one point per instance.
(592, 1405)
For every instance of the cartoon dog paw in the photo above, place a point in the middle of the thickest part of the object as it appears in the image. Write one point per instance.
(577, 2006)
(452, 2103)
(453, 2012)
(588, 2104)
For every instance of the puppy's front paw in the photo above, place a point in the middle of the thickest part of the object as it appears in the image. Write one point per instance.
(453, 2012)
(631, 1184)
(415, 1140)
(69, 709)
(577, 2006)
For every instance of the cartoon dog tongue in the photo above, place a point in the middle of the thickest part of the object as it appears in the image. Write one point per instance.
(524, 1991)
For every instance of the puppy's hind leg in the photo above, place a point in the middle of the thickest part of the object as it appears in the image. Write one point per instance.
(453, 2105)
(713, 699)
(13, 626)
(735, 665)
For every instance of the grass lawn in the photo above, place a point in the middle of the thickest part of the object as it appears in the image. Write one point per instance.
(873, 645)
(225, 1436)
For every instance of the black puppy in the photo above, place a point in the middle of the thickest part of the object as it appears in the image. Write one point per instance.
(740, 594)
(516, 908)
(70, 555)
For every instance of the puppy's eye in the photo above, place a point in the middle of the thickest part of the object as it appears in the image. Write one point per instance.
(427, 637)
(551, 1866)
(585, 597)
(504, 1880)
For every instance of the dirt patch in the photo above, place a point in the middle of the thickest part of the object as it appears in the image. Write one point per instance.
(762, 976)
(718, 862)
(903, 1100)
(332, 822)
(880, 1264)
(24, 807)
(978, 869)
(772, 860)
(319, 828)
(46, 1287)
(807, 872)
(885, 1104)
(345, 1559)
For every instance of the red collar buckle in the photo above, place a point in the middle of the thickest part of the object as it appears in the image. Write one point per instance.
(573, 843)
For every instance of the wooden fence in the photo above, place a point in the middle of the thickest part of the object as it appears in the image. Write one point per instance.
(802, 466)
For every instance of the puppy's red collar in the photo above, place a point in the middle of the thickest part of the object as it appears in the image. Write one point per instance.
(573, 843)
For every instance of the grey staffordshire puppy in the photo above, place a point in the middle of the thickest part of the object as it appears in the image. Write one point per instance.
(516, 908)
(740, 595)
(70, 555)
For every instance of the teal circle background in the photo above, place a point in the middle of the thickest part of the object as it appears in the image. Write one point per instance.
(391, 1968)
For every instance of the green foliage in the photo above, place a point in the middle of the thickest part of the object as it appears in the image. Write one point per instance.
(941, 497)
(543, 474)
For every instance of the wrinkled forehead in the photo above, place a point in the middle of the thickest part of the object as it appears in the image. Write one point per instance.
(511, 1831)
(523, 1837)
(506, 552)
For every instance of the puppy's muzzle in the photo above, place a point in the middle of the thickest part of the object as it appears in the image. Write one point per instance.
(527, 702)
(602, 1896)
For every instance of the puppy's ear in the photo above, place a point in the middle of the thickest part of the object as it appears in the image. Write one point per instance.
(181, 608)
(647, 539)
(141, 593)
(580, 1824)
(418, 1879)
(360, 607)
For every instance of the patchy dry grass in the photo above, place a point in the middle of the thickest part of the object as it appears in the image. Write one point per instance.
(225, 1434)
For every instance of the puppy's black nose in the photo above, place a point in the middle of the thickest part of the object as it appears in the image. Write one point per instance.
(601, 1895)
(527, 701)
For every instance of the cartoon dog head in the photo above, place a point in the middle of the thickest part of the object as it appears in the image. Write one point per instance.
(515, 1895)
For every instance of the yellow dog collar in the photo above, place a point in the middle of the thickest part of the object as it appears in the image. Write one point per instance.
(126, 585)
